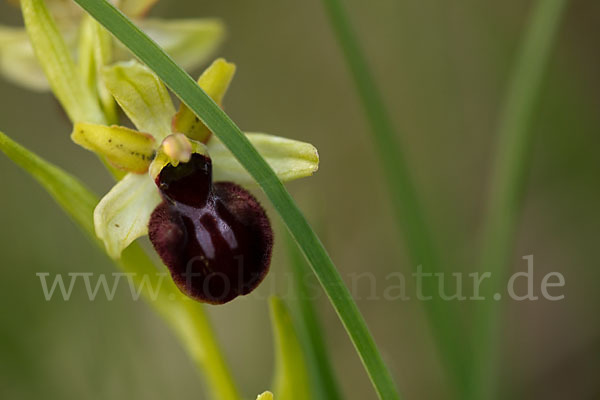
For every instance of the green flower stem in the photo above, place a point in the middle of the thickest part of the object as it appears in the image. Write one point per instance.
(506, 188)
(444, 317)
(218, 122)
(291, 381)
(322, 374)
(187, 318)
(189, 321)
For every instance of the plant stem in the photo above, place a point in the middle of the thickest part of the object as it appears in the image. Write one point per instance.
(230, 134)
(514, 140)
(444, 318)
(189, 321)
(321, 370)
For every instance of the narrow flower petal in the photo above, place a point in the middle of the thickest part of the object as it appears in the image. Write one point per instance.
(123, 214)
(191, 42)
(94, 52)
(214, 81)
(54, 55)
(290, 159)
(124, 148)
(142, 96)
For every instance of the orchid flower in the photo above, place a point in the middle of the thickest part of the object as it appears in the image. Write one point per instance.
(171, 161)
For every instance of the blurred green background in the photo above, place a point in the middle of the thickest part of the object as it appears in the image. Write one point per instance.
(442, 67)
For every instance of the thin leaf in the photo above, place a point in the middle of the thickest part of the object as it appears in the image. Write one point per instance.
(514, 141)
(71, 195)
(230, 134)
(291, 375)
(310, 330)
(444, 317)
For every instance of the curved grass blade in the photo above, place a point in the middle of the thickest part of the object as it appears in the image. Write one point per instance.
(188, 319)
(322, 374)
(444, 317)
(230, 134)
(509, 173)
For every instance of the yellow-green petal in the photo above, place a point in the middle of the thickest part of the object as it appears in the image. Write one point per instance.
(290, 159)
(190, 42)
(214, 81)
(291, 374)
(124, 148)
(54, 55)
(265, 396)
(123, 214)
(142, 96)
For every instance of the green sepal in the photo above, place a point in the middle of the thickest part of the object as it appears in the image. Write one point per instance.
(142, 96)
(122, 147)
(290, 159)
(190, 42)
(214, 81)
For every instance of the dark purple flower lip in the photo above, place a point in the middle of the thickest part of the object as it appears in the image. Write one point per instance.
(216, 239)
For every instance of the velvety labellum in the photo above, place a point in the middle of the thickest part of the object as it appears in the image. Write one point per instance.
(216, 239)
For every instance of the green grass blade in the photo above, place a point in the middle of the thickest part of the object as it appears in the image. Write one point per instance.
(66, 190)
(188, 319)
(322, 374)
(506, 188)
(444, 317)
(218, 122)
